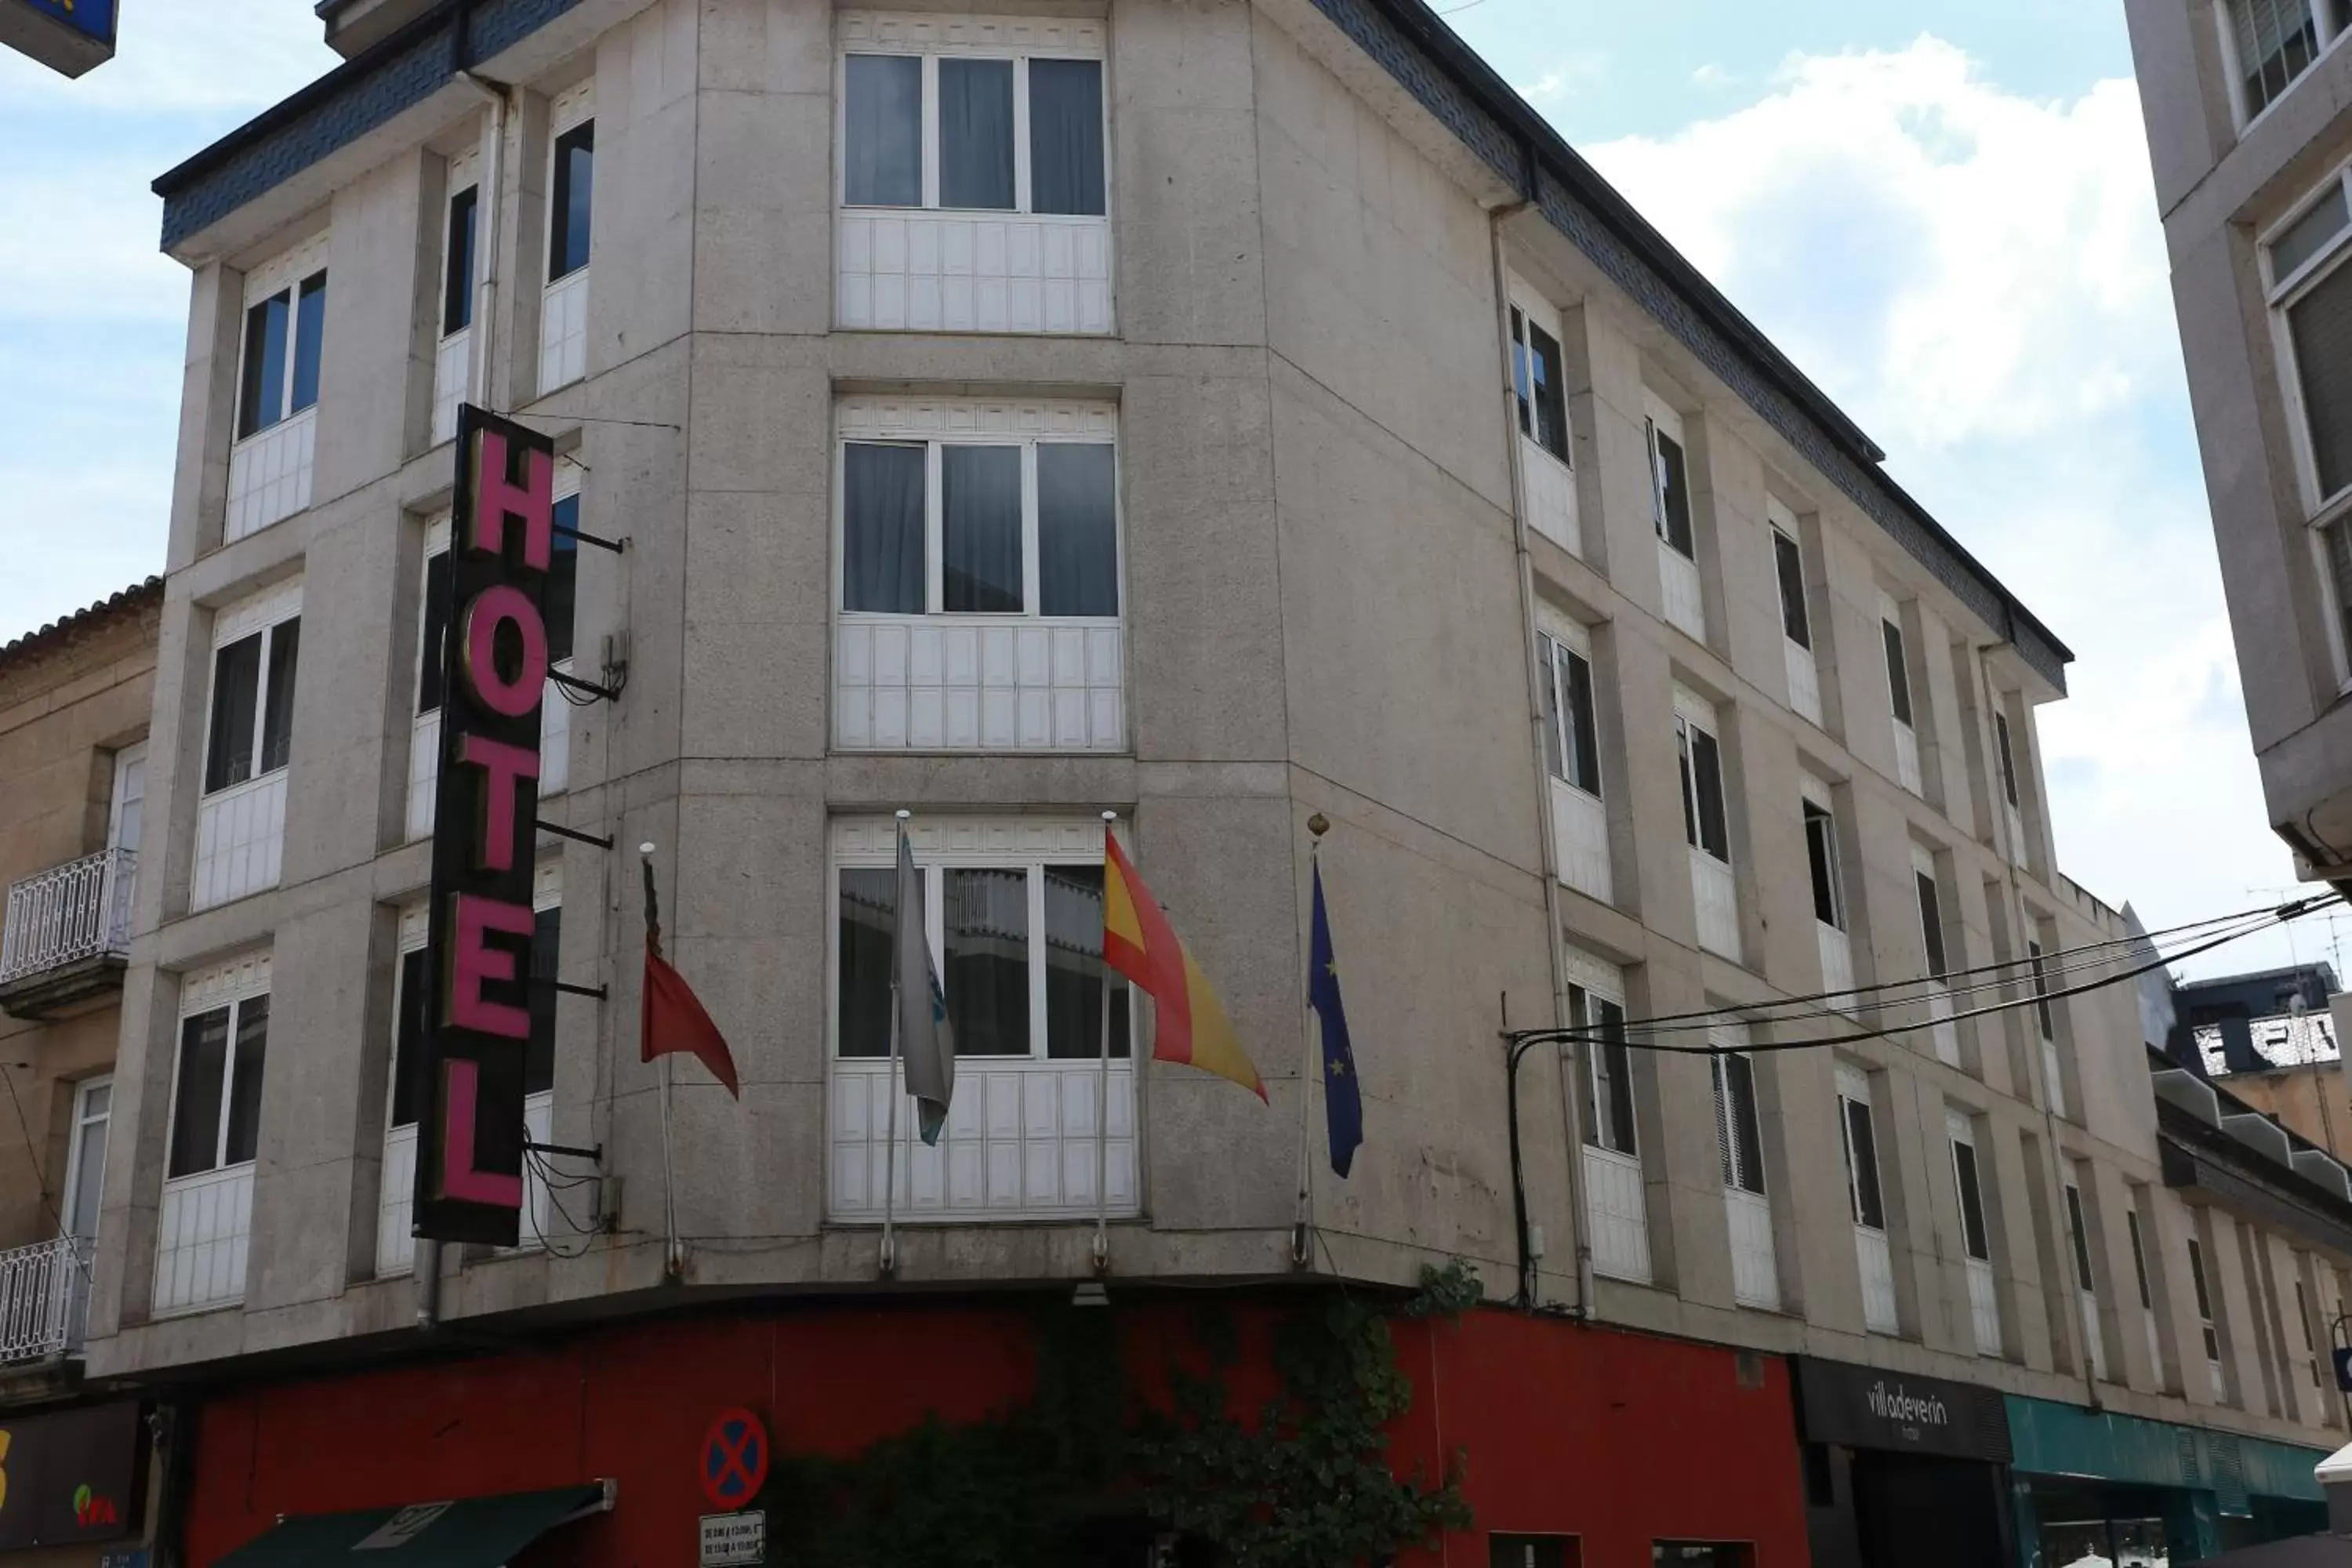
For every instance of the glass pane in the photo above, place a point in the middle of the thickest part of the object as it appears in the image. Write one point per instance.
(1584, 734)
(1707, 774)
(1074, 966)
(1931, 923)
(1972, 1224)
(1862, 1151)
(1723, 1121)
(408, 1040)
(882, 528)
(89, 1167)
(868, 928)
(1739, 1075)
(1555, 739)
(2040, 991)
(236, 692)
(2141, 1543)
(1821, 852)
(539, 1053)
(986, 917)
(883, 132)
(1898, 673)
(2277, 40)
(1551, 400)
(1077, 530)
(1066, 136)
(2075, 1543)
(245, 1080)
(1522, 374)
(310, 340)
(458, 266)
(2081, 1237)
(2321, 325)
(980, 529)
(561, 591)
(1790, 562)
(576, 184)
(262, 395)
(196, 1101)
(2008, 762)
(2197, 1279)
(1674, 496)
(976, 134)
(278, 717)
(1683, 760)
(2139, 1258)
(431, 653)
(2310, 233)
(1617, 1066)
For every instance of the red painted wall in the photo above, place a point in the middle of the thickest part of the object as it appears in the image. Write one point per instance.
(1615, 1438)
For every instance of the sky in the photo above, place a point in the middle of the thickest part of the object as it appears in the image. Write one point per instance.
(1941, 209)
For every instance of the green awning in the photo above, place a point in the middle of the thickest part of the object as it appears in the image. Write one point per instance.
(465, 1532)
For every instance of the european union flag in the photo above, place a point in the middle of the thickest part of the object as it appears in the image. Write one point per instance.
(1343, 1103)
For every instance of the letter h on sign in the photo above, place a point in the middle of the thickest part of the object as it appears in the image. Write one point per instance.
(470, 1132)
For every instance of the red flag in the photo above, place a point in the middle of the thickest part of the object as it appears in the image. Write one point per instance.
(673, 1018)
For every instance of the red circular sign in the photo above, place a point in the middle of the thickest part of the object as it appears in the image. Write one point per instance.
(734, 1459)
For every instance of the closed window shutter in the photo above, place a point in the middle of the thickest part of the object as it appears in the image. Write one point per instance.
(1723, 1124)
(2321, 325)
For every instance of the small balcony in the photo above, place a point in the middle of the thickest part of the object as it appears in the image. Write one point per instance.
(67, 935)
(44, 1300)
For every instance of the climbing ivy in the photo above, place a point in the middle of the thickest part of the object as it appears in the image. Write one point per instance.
(1305, 1484)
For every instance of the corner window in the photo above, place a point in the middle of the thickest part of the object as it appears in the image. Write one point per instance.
(216, 1099)
(573, 178)
(1701, 761)
(1019, 133)
(1537, 385)
(283, 339)
(1571, 738)
(1670, 512)
(1007, 524)
(1609, 1070)
(251, 731)
(1821, 854)
(1738, 1138)
(1788, 562)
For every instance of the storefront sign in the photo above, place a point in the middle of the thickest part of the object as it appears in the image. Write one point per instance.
(733, 1538)
(69, 36)
(501, 538)
(70, 1476)
(1864, 1408)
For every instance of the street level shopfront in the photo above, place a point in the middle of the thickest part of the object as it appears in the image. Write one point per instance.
(73, 1484)
(1572, 1444)
(2095, 1486)
(1901, 1471)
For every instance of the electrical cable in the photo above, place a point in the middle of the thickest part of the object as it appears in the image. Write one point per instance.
(2283, 913)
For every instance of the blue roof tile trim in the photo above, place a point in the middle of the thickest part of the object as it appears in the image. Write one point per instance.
(337, 109)
(1699, 318)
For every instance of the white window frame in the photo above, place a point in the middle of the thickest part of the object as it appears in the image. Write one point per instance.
(1661, 418)
(2328, 22)
(263, 613)
(2321, 513)
(1783, 527)
(130, 788)
(77, 1140)
(1959, 1127)
(938, 424)
(1733, 1145)
(1589, 986)
(571, 109)
(1555, 644)
(1017, 39)
(1812, 793)
(1530, 309)
(234, 984)
(2202, 1296)
(1853, 1088)
(283, 274)
(1935, 945)
(464, 173)
(1688, 719)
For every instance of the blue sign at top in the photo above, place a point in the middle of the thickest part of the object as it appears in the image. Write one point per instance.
(92, 18)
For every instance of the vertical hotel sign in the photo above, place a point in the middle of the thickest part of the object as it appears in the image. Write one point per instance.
(470, 1130)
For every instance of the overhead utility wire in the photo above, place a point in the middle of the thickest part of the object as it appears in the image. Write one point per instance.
(2285, 912)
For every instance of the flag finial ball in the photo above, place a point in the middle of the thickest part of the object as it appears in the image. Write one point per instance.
(1318, 825)
(646, 848)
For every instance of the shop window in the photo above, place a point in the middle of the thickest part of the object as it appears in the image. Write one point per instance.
(1703, 1554)
(1532, 1550)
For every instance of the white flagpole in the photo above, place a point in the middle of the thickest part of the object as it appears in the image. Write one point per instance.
(1102, 1099)
(890, 1155)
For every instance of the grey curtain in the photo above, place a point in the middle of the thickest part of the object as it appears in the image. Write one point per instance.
(883, 145)
(1066, 136)
(976, 134)
(1077, 531)
(869, 924)
(882, 528)
(980, 533)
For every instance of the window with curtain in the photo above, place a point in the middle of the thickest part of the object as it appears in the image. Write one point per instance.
(216, 1099)
(1018, 526)
(1047, 158)
(1609, 1070)
(251, 729)
(284, 337)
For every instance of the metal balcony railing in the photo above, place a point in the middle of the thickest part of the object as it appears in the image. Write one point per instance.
(43, 1298)
(77, 911)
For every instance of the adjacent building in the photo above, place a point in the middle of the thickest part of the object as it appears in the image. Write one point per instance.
(1214, 415)
(74, 697)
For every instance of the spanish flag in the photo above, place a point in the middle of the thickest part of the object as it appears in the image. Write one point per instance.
(1138, 942)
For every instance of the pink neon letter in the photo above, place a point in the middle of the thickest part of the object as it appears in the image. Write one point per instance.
(498, 498)
(492, 609)
(460, 1097)
(476, 960)
(507, 766)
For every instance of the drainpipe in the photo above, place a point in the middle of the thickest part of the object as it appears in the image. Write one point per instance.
(485, 296)
(1569, 1057)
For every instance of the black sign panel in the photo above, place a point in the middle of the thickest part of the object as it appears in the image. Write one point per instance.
(494, 658)
(1865, 1407)
(70, 1476)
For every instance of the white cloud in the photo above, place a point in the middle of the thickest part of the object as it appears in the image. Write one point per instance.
(1712, 75)
(1979, 278)
(1568, 71)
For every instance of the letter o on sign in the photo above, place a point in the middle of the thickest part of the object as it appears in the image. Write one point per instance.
(492, 608)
